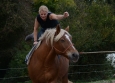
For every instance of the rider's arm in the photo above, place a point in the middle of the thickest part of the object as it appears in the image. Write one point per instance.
(58, 17)
(36, 26)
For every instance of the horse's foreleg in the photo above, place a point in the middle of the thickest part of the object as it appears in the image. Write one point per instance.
(65, 79)
(34, 82)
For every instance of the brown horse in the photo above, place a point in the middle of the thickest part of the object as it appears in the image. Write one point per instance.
(50, 61)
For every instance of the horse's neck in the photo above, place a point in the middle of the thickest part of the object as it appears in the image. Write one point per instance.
(50, 59)
(50, 54)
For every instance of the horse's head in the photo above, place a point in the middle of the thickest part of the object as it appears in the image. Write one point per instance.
(63, 44)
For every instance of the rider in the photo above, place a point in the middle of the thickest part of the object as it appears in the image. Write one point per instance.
(45, 20)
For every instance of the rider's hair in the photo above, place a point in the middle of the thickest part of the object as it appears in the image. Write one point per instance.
(43, 8)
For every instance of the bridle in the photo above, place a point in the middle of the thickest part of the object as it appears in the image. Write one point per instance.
(64, 50)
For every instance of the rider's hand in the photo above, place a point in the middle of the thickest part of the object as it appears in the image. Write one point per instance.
(66, 14)
(35, 42)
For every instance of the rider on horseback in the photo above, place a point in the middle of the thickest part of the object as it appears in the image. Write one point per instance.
(45, 20)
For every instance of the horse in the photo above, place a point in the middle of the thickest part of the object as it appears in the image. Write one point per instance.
(50, 61)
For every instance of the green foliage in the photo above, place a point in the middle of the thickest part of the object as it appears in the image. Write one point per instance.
(9, 32)
(92, 27)
(52, 4)
(17, 67)
(12, 30)
(49, 3)
(92, 30)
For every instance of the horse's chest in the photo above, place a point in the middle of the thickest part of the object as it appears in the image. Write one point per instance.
(51, 72)
(57, 71)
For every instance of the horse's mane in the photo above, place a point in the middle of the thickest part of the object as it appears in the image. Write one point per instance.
(50, 33)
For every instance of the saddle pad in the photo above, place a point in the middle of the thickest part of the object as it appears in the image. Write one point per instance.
(28, 56)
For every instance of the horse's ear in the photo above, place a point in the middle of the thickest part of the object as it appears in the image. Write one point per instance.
(67, 28)
(57, 29)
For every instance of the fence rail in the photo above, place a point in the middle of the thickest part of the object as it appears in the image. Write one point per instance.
(97, 52)
(71, 65)
(13, 77)
(70, 73)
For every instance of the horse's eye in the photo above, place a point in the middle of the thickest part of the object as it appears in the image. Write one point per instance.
(62, 40)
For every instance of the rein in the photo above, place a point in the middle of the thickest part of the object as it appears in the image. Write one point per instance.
(64, 50)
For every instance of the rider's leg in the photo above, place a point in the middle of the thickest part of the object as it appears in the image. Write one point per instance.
(31, 37)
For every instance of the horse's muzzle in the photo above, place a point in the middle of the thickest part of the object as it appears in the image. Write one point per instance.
(74, 57)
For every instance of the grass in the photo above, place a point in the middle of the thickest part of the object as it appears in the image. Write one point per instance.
(104, 81)
(101, 81)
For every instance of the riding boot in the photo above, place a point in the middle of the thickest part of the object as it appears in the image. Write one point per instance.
(29, 37)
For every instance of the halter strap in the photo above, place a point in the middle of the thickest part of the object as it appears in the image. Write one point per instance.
(64, 50)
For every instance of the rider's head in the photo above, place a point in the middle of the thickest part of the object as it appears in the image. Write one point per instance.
(43, 11)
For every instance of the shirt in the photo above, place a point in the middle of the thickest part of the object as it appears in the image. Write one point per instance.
(47, 23)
